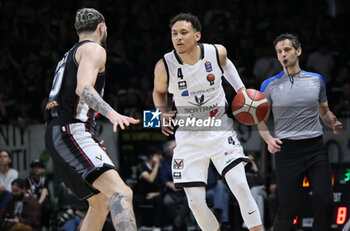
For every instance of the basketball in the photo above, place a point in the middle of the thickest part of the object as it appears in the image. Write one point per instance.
(249, 107)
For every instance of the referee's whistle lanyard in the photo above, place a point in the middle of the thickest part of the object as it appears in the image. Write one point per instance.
(291, 77)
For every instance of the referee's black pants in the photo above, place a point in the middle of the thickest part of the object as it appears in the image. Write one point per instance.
(299, 158)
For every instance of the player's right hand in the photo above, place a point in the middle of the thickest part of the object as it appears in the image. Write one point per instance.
(273, 145)
(166, 120)
(117, 119)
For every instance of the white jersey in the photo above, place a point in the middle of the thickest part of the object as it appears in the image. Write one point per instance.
(197, 90)
(198, 94)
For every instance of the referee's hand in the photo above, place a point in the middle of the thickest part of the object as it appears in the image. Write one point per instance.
(337, 126)
(273, 145)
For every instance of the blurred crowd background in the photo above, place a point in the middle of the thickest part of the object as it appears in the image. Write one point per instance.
(36, 34)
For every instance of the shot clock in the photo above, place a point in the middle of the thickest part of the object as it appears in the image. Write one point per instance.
(341, 198)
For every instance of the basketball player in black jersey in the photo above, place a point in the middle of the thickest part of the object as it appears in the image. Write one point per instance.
(74, 102)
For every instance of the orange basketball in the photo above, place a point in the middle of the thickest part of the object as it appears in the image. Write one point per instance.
(250, 107)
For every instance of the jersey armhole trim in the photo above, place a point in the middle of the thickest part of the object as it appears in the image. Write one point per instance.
(167, 70)
(218, 59)
(76, 48)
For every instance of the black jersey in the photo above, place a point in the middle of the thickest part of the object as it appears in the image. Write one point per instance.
(64, 104)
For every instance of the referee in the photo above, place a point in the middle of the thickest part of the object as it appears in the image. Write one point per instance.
(297, 99)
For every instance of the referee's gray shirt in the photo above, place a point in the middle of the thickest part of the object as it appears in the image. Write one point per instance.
(295, 106)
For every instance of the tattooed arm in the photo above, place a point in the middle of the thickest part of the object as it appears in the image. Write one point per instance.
(90, 96)
(91, 58)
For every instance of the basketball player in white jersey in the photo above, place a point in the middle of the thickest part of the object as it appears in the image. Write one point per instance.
(192, 73)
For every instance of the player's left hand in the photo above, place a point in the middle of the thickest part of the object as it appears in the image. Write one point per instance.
(120, 120)
(337, 126)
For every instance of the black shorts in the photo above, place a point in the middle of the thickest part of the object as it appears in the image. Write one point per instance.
(78, 156)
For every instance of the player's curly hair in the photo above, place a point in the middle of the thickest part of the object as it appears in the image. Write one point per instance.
(293, 38)
(87, 19)
(188, 18)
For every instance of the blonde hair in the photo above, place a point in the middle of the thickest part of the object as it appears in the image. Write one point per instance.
(87, 19)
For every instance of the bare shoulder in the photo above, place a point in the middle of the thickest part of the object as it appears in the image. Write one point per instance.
(221, 49)
(160, 69)
(160, 77)
(222, 53)
(160, 64)
(91, 51)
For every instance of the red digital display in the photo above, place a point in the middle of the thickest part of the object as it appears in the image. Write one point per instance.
(341, 215)
(295, 221)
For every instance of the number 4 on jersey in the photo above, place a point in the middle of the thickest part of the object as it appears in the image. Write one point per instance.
(179, 73)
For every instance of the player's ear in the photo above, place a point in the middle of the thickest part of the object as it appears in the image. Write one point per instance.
(198, 35)
(299, 51)
(100, 28)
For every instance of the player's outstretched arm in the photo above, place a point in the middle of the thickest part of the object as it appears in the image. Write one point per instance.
(230, 71)
(160, 94)
(92, 58)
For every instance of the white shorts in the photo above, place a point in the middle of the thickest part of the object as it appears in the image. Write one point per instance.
(195, 149)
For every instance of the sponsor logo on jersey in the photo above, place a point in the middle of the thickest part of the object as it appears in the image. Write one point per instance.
(151, 118)
(213, 112)
(209, 108)
(185, 93)
(229, 153)
(208, 66)
(177, 175)
(229, 161)
(178, 164)
(199, 101)
(230, 140)
(202, 91)
(182, 85)
(211, 78)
